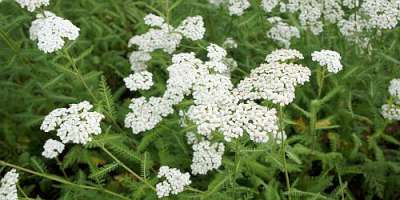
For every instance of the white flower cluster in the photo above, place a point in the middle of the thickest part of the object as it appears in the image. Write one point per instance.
(8, 188)
(381, 14)
(185, 70)
(284, 55)
(75, 124)
(138, 60)
(139, 81)
(328, 58)
(217, 105)
(31, 5)
(282, 32)
(165, 37)
(394, 89)
(206, 155)
(268, 5)
(50, 31)
(145, 115)
(237, 7)
(353, 23)
(274, 81)
(161, 36)
(174, 183)
(192, 28)
(391, 111)
(52, 148)
(230, 43)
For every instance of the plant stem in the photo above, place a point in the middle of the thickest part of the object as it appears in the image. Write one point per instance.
(340, 183)
(125, 167)
(79, 75)
(194, 190)
(60, 166)
(167, 12)
(61, 180)
(9, 42)
(283, 150)
(314, 107)
(22, 192)
(321, 82)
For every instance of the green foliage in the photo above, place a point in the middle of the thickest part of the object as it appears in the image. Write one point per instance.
(338, 147)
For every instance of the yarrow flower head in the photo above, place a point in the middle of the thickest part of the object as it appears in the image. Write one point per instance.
(139, 81)
(52, 148)
(75, 124)
(230, 43)
(283, 55)
(8, 188)
(328, 58)
(206, 156)
(192, 28)
(215, 52)
(237, 7)
(165, 37)
(154, 20)
(275, 81)
(146, 114)
(394, 89)
(268, 5)
(391, 111)
(174, 183)
(31, 5)
(138, 60)
(282, 32)
(50, 31)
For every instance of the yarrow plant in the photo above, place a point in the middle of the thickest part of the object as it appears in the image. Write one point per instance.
(189, 100)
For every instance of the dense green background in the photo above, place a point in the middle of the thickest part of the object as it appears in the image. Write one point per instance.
(354, 154)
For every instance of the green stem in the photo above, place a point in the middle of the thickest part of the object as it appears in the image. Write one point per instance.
(9, 42)
(283, 150)
(340, 183)
(314, 107)
(167, 15)
(79, 75)
(61, 180)
(194, 190)
(22, 192)
(125, 167)
(60, 166)
(321, 82)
